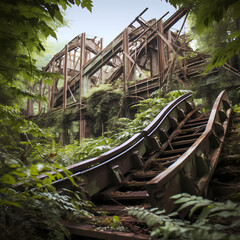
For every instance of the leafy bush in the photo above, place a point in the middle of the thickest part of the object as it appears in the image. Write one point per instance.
(30, 208)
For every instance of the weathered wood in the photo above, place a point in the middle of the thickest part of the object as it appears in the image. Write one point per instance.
(126, 65)
(41, 94)
(161, 53)
(82, 62)
(65, 78)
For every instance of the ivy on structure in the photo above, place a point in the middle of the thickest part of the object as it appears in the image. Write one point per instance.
(103, 104)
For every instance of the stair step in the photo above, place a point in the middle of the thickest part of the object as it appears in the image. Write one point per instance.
(197, 129)
(189, 125)
(199, 119)
(112, 209)
(174, 152)
(131, 195)
(133, 184)
(187, 136)
(145, 175)
(183, 142)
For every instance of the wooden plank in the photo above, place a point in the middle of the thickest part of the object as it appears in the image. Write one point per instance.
(131, 195)
(88, 230)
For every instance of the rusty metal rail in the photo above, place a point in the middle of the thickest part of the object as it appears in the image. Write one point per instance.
(176, 153)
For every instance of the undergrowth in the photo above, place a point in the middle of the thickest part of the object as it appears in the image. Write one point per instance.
(205, 219)
(30, 208)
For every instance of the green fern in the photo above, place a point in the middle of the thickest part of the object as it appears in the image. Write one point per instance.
(206, 225)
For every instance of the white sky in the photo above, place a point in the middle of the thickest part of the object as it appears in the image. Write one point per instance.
(109, 18)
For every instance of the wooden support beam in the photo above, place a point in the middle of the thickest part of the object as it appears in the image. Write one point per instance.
(169, 37)
(41, 94)
(65, 78)
(161, 56)
(49, 97)
(82, 62)
(53, 89)
(154, 62)
(126, 65)
(30, 104)
(101, 70)
(134, 63)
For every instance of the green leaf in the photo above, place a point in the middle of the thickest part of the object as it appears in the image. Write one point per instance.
(87, 4)
(6, 202)
(7, 179)
(186, 204)
(78, 2)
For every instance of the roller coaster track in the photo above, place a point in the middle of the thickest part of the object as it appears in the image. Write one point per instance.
(178, 152)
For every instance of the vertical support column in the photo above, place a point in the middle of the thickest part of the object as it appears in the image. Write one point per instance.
(161, 53)
(65, 78)
(74, 59)
(49, 97)
(30, 104)
(169, 37)
(53, 86)
(49, 92)
(82, 62)
(101, 71)
(184, 60)
(41, 93)
(126, 65)
(154, 65)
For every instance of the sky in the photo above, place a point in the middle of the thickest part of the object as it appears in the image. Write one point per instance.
(109, 18)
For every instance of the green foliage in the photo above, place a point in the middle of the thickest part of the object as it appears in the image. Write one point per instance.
(36, 212)
(215, 220)
(147, 110)
(25, 25)
(236, 108)
(215, 23)
(88, 148)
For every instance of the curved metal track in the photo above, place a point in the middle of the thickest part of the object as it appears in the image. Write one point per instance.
(176, 153)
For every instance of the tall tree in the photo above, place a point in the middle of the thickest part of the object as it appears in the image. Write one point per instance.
(25, 24)
(222, 15)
